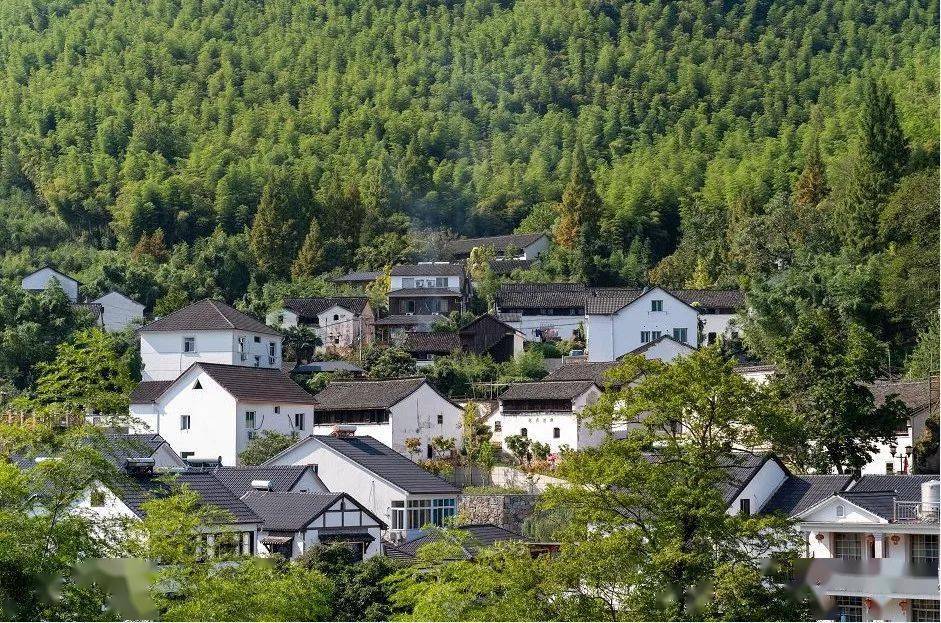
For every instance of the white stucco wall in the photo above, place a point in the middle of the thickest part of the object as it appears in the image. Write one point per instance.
(668, 350)
(267, 419)
(760, 488)
(41, 278)
(564, 326)
(163, 357)
(613, 335)
(720, 324)
(453, 281)
(535, 249)
(118, 311)
(883, 455)
(540, 426)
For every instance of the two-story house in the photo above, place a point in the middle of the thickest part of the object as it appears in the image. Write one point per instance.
(548, 412)
(207, 331)
(898, 456)
(509, 246)
(401, 494)
(427, 288)
(113, 311)
(341, 322)
(542, 311)
(393, 411)
(213, 410)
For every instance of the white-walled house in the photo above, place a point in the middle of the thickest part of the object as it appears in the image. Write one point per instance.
(619, 321)
(41, 279)
(390, 411)
(119, 311)
(206, 331)
(664, 348)
(542, 311)
(427, 288)
(401, 494)
(213, 410)
(341, 322)
(510, 246)
(921, 398)
(548, 412)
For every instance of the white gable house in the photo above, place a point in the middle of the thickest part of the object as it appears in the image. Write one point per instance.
(41, 279)
(207, 331)
(119, 311)
(391, 411)
(214, 410)
(341, 322)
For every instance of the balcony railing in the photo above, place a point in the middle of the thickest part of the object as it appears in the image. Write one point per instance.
(924, 512)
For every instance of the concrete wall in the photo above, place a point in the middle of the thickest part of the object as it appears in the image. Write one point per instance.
(540, 426)
(163, 357)
(40, 280)
(119, 312)
(453, 282)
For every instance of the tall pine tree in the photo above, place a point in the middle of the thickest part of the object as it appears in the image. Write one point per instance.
(882, 139)
(577, 228)
(310, 259)
(811, 186)
(274, 229)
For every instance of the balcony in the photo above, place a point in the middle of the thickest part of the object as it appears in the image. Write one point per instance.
(916, 512)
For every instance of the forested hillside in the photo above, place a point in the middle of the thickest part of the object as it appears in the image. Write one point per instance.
(140, 139)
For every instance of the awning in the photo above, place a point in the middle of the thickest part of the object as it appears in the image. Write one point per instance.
(345, 537)
(276, 540)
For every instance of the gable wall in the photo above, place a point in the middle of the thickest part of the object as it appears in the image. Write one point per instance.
(760, 488)
(623, 328)
(41, 278)
(417, 416)
(267, 419)
(118, 311)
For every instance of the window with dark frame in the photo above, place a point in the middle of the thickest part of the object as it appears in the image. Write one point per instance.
(847, 546)
(189, 344)
(440, 418)
(556, 432)
(299, 421)
(656, 305)
(924, 549)
(926, 610)
(744, 507)
(849, 608)
(184, 422)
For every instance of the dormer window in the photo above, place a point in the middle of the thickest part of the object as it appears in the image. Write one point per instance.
(656, 305)
(189, 344)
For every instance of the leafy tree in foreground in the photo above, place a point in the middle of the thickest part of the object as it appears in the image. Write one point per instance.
(661, 544)
(361, 592)
(264, 446)
(388, 362)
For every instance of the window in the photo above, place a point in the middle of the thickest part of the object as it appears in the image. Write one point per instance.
(277, 409)
(441, 282)
(336, 316)
(441, 510)
(408, 282)
(556, 432)
(184, 422)
(197, 385)
(186, 455)
(189, 344)
(656, 305)
(849, 608)
(272, 349)
(655, 335)
(257, 360)
(644, 337)
(97, 498)
(410, 307)
(429, 452)
(889, 467)
(711, 338)
(680, 334)
(242, 344)
(258, 339)
(925, 549)
(840, 511)
(744, 507)
(250, 419)
(280, 318)
(398, 515)
(524, 432)
(847, 545)
(925, 610)
(419, 513)
(440, 418)
(299, 421)
(498, 426)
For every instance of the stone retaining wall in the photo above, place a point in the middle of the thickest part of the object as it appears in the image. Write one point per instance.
(507, 510)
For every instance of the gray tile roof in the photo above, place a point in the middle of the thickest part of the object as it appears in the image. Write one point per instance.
(583, 371)
(643, 348)
(478, 536)
(121, 447)
(311, 307)
(878, 493)
(541, 295)
(137, 489)
(366, 394)
(505, 267)
(148, 391)
(610, 300)
(711, 299)
(208, 315)
(798, 493)
(328, 366)
(238, 480)
(431, 269)
(357, 277)
(438, 343)
(288, 512)
(418, 292)
(257, 384)
(409, 320)
(741, 467)
(917, 395)
(499, 243)
(388, 464)
(546, 390)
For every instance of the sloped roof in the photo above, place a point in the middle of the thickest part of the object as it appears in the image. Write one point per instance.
(408, 320)
(546, 390)
(479, 536)
(208, 315)
(257, 384)
(357, 276)
(583, 371)
(238, 480)
(489, 318)
(328, 366)
(536, 295)
(387, 464)
(288, 512)
(439, 343)
(148, 391)
(139, 488)
(499, 243)
(53, 269)
(643, 348)
(312, 306)
(741, 468)
(610, 300)
(121, 447)
(505, 267)
(917, 395)
(877, 493)
(711, 299)
(798, 493)
(366, 393)
(431, 269)
(443, 292)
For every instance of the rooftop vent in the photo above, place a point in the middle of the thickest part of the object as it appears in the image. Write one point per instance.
(261, 485)
(344, 430)
(139, 465)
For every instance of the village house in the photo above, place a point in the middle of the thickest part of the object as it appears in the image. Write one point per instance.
(401, 494)
(405, 414)
(427, 346)
(548, 412)
(510, 246)
(392, 329)
(898, 456)
(488, 335)
(213, 410)
(428, 288)
(340, 322)
(358, 279)
(542, 311)
(119, 311)
(208, 332)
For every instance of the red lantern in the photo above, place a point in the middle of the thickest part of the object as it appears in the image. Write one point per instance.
(868, 602)
(895, 539)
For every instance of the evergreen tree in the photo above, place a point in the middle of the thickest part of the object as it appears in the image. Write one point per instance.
(581, 206)
(274, 229)
(811, 186)
(882, 138)
(308, 262)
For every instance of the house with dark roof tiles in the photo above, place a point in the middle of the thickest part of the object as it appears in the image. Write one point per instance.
(509, 246)
(207, 331)
(428, 288)
(213, 410)
(341, 322)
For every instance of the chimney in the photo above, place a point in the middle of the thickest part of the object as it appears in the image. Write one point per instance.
(344, 430)
(261, 485)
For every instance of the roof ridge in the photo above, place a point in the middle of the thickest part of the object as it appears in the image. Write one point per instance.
(215, 306)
